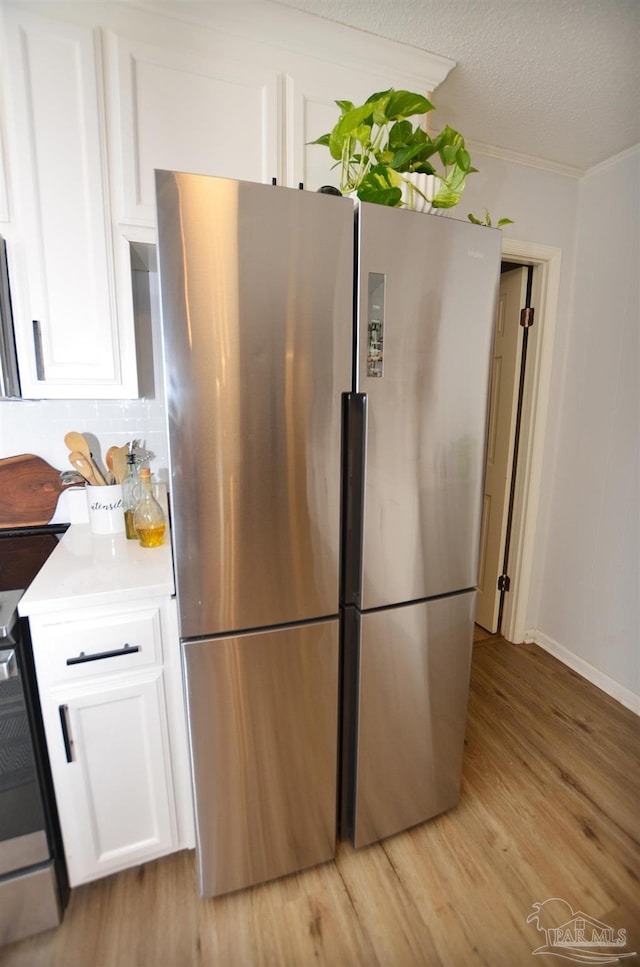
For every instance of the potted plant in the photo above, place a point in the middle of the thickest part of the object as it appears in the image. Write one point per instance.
(382, 155)
(487, 222)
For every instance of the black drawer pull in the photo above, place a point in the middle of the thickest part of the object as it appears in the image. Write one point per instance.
(99, 655)
(62, 711)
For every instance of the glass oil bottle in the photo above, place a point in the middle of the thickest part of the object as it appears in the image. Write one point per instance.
(131, 494)
(148, 519)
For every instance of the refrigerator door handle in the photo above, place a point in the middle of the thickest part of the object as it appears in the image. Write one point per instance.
(354, 439)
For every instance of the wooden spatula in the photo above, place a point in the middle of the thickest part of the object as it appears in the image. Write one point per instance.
(78, 444)
(86, 467)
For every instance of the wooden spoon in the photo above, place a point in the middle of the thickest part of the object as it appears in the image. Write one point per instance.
(86, 467)
(108, 459)
(119, 460)
(77, 444)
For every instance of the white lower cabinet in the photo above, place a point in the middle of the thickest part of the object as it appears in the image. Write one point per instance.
(116, 734)
(114, 782)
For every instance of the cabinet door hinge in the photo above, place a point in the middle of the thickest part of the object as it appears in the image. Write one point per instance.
(504, 582)
(526, 317)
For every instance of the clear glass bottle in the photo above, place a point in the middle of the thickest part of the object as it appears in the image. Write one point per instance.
(131, 494)
(148, 518)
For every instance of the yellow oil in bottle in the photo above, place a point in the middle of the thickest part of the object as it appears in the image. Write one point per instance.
(132, 533)
(151, 536)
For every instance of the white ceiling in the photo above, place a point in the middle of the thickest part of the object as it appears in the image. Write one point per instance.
(556, 80)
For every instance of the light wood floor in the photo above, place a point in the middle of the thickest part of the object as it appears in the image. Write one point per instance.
(550, 807)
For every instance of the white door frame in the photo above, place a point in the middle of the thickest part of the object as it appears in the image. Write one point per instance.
(546, 284)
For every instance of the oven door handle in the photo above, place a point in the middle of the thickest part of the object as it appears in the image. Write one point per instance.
(63, 711)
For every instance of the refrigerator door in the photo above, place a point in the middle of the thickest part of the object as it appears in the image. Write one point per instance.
(257, 292)
(414, 664)
(263, 725)
(427, 290)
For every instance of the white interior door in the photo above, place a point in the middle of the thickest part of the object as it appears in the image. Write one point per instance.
(500, 442)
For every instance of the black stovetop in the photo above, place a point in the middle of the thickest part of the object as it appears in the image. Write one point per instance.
(23, 551)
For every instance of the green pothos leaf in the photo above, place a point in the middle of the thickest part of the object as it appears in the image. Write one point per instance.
(381, 186)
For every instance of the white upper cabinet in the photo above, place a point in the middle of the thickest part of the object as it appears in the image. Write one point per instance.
(74, 327)
(311, 93)
(314, 84)
(184, 112)
(4, 201)
(238, 90)
(98, 95)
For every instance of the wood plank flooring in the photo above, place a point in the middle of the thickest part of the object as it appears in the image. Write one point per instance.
(550, 807)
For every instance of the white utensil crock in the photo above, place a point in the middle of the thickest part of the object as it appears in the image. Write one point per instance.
(106, 514)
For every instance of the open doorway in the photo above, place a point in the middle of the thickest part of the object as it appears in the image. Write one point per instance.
(508, 371)
(533, 273)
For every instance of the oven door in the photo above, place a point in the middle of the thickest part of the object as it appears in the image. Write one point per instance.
(29, 896)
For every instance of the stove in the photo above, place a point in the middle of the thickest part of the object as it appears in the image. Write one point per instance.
(34, 887)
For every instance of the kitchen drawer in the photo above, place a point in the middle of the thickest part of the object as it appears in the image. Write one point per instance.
(97, 646)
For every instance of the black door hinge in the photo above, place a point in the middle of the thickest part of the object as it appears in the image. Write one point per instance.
(504, 582)
(526, 317)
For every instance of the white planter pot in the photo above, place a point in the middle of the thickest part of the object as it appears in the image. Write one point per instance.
(428, 186)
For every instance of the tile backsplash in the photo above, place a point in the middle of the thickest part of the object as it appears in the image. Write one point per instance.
(39, 426)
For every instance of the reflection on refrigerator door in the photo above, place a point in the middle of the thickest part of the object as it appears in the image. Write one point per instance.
(263, 720)
(426, 414)
(413, 674)
(257, 287)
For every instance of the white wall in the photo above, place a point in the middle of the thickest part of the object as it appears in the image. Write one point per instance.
(585, 597)
(589, 605)
(544, 207)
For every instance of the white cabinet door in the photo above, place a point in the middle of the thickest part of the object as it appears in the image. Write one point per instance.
(111, 768)
(311, 94)
(312, 89)
(74, 339)
(178, 110)
(4, 202)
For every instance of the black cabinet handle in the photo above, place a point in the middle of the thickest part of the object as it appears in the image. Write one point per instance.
(99, 655)
(37, 345)
(63, 711)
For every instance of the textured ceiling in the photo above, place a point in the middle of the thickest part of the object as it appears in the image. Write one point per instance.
(557, 80)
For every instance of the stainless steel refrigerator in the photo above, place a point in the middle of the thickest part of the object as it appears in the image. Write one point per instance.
(426, 290)
(326, 498)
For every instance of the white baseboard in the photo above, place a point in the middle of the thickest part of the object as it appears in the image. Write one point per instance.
(613, 688)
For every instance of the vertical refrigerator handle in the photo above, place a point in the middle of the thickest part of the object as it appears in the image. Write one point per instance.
(354, 442)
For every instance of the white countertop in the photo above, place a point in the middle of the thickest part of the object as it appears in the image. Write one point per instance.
(86, 570)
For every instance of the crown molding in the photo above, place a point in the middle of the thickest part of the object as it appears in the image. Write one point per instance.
(571, 171)
(310, 36)
(614, 160)
(515, 157)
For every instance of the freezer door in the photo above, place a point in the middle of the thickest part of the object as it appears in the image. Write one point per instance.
(427, 291)
(257, 295)
(263, 714)
(414, 664)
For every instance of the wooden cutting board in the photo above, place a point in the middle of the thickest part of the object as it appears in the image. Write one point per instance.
(29, 490)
